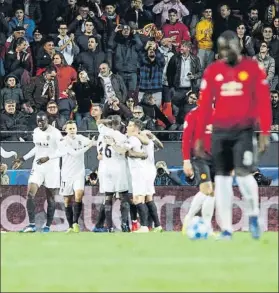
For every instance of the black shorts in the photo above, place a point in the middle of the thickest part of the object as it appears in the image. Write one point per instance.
(234, 149)
(203, 169)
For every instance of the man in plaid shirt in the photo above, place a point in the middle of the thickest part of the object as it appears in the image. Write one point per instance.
(151, 72)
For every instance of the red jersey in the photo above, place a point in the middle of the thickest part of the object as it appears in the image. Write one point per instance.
(241, 96)
(189, 136)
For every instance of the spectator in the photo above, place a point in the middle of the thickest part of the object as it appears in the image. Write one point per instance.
(18, 32)
(71, 11)
(183, 73)
(148, 123)
(6, 9)
(164, 6)
(12, 122)
(4, 27)
(138, 14)
(83, 90)
(275, 115)
(151, 73)
(245, 41)
(77, 26)
(110, 85)
(45, 55)
(66, 44)
(21, 20)
(126, 46)
(42, 89)
(272, 11)
(66, 74)
(35, 48)
(151, 110)
(18, 62)
(90, 60)
(175, 30)
(254, 25)
(53, 115)
(276, 28)
(11, 91)
(204, 33)
(5, 180)
(189, 104)
(32, 9)
(114, 107)
(266, 61)
(130, 104)
(90, 122)
(83, 37)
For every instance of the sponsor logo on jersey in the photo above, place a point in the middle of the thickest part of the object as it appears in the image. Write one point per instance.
(203, 176)
(219, 77)
(243, 75)
(48, 137)
(232, 89)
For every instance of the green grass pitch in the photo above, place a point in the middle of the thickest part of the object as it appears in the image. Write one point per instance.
(121, 262)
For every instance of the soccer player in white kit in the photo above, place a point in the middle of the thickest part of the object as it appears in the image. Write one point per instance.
(46, 139)
(72, 148)
(153, 144)
(115, 172)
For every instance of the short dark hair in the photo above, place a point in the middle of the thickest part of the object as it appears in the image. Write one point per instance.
(274, 92)
(51, 103)
(138, 123)
(10, 101)
(172, 10)
(186, 43)
(63, 23)
(69, 122)
(50, 68)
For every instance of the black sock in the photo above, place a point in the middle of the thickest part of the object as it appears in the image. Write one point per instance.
(143, 213)
(69, 215)
(101, 217)
(77, 211)
(50, 210)
(124, 207)
(30, 205)
(133, 212)
(153, 213)
(150, 221)
(108, 212)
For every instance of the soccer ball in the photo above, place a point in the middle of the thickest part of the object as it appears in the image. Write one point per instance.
(197, 229)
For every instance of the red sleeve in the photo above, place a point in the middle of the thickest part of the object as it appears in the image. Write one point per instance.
(188, 134)
(186, 34)
(262, 96)
(205, 103)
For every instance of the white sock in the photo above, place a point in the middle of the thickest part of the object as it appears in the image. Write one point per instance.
(208, 209)
(223, 197)
(250, 191)
(195, 206)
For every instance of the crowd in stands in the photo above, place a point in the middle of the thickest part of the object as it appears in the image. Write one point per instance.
(83, 59)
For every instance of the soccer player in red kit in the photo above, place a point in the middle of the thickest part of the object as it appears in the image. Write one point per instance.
(240, 92)
(200, 169)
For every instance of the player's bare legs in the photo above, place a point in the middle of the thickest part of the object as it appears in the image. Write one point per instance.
(139, 201)
(69, 212)
(30, 205)
(152, 209)
(77, 208)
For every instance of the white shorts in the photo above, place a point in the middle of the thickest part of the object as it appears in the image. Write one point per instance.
(50, 178)
(69, 186)
(139, 184)
(115, 178)
(150, 178)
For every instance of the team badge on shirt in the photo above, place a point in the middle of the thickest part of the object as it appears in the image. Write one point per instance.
(203, 176)
(243, 75)
(48, 137)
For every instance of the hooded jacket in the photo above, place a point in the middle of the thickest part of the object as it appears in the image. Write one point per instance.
(8, 93)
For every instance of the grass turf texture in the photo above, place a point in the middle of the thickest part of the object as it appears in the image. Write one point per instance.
(88, 262)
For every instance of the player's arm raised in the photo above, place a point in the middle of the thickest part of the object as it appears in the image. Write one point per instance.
(187, 141)
(264, 112)
(205, 109)
(157, 143)
(143, 138)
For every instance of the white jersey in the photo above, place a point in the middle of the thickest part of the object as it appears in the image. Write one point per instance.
(133, 143)
(73, 164)
(110, 156)
(149, 150)
(46, 143)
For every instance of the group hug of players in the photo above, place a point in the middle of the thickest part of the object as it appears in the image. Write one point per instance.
(218, 141)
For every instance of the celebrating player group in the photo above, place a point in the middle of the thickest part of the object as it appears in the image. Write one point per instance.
(218, 141)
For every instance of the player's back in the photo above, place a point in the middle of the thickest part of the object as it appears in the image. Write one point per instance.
(46, 143)
(73, 165)
(234, 89)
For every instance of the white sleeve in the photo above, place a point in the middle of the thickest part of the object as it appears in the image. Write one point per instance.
(30, 154)
(5, 154)
(85, 140)
(131, 143)
(104, 130)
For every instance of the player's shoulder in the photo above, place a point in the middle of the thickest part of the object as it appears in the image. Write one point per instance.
(253, 64)
(191, 113)
(215, 66)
